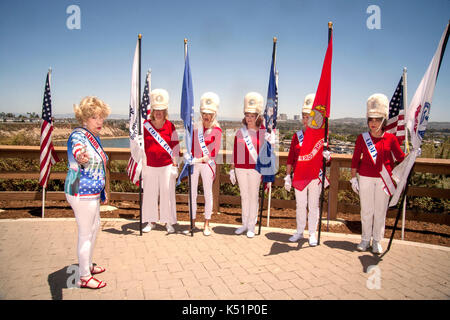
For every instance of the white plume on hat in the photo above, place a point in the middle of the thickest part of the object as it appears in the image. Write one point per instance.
(253, 102)
(159, 99)
(308, 103)
(377, 106)
(209, 102)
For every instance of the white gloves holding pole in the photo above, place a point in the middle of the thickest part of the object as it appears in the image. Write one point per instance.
(355, 184)
(232, 177)
(288, 183)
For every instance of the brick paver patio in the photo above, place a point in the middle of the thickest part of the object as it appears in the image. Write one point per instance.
(38, 261)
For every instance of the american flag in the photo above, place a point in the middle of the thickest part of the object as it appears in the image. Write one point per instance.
(145, 110)
(396, 121)
(48, 155)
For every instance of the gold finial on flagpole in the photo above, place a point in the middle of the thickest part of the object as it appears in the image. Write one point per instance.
(330, 25)
(185, 40)
(139, 36)
(274, 39)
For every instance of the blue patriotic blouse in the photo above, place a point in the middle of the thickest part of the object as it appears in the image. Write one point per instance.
(88, 180)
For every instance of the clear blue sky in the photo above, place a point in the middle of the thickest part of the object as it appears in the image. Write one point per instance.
(230, 51)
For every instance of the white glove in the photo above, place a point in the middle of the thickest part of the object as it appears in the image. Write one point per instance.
(267, 187)
(327, 155)
(174, 172)
(232, 177)
(187, 159)
(355, 184)
(418, 152)
(288, 183)
(270, 137)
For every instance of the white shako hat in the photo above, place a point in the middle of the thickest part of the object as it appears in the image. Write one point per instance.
(308, 103)
(377, 106)
(159, 99)
(209, 102)
(253, 102)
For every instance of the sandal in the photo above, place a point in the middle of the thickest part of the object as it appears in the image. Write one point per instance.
(84, 283)
(97, 269)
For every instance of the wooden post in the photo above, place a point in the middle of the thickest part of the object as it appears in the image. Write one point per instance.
(216, 190)
(334, 188)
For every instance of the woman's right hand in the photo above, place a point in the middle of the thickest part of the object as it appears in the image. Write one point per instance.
(82, 156)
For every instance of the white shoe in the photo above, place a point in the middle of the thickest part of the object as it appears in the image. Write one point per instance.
(240, 230)
(148, 227)
(250, 234)
(297, 236)
(312, 240)
(376, 247)
(363, 245)
(206, 231)
(169, 228)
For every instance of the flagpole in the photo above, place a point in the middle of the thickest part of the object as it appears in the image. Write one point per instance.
(139, 132)
(264, 183)
(405, 103)
(189, 166)
(325, 147)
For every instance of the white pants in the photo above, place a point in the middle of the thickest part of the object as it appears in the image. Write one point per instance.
(205, 171)
(158, 182)
(249, 181)
(310, 197)
(374, 202)
(87, 215)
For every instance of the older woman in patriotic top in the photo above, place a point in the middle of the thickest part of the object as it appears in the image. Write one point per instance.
(206, 142)
(375, 184)
(158, 175)
(247, 143)
(85, 183)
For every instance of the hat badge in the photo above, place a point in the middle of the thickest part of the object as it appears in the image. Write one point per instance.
(159, 98)
(251, 102)
(208, 101)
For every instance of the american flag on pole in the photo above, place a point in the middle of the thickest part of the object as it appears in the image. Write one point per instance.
(48, 155)
(396, 121)
(145, 110)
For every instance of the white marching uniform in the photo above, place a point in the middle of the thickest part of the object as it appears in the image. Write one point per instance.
(205, 171)
(158, 181)
(307, 200)
(249, 181)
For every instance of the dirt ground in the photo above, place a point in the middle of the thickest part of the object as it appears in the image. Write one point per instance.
(425, 232)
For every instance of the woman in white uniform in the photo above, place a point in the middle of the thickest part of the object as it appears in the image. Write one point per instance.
(205, 147)
(161, 147)
(247, 143)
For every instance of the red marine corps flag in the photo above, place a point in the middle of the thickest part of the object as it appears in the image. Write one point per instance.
(310, 159)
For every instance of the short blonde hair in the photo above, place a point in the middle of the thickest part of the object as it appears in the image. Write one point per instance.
(166, 114)
(91, 106)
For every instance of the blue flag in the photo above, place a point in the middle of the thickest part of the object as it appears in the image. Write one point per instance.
(266, 158)
(187, 115)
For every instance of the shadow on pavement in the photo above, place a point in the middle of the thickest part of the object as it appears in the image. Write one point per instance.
(64, 278)
(369, 260)
(224, 230)
(344, 245)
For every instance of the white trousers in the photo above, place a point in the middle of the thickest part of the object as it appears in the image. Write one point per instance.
(308, 197)
(249, 181)
(158, 183)
(205, 171)
(374, 202)
(87, 215)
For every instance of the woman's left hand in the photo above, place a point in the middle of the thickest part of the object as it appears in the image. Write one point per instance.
(106, 199)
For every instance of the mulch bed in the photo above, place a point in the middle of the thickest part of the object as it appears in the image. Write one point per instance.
(425, 232)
